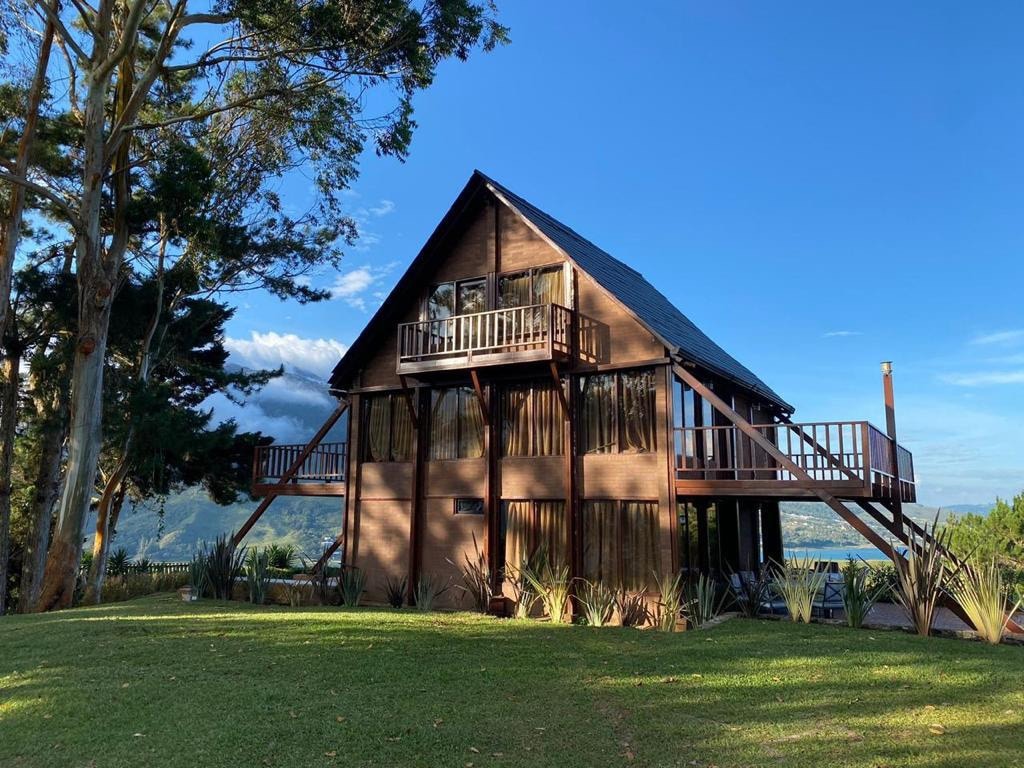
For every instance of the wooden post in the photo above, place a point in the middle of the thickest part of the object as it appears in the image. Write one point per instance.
(890, 429)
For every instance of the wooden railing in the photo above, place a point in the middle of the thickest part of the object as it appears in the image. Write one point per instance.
(325, 463)
(844, 453)
(537, 329)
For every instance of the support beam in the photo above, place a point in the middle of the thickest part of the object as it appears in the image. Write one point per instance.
(256, 515)
(557, 379)
(890, 430)
(326, 556)
(407, 396)
(480, 396)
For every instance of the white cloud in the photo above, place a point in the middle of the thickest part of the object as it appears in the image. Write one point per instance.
(1000, 337)
(269, 350)
(839, 334)
(383, 208)
(984, 378)
(353, 286)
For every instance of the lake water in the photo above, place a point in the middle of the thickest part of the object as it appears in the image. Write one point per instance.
(842, 554)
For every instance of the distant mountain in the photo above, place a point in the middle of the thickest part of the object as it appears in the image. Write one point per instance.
(815, 525)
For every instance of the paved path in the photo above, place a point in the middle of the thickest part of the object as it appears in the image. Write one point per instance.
(892, 616)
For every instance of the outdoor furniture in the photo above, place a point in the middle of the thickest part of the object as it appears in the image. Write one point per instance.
(830, 596)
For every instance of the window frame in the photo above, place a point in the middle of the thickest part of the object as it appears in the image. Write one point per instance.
(459, 425)
(534, 525)
(618, 425)
(394, 401)
(425, 308)
(619, 506)
(474, 500)
(531, 387)
(532, 271)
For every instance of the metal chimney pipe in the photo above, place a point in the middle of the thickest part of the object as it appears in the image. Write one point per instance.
(890, 429)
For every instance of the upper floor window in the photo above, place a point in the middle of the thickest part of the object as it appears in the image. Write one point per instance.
(617, 412)
(387, 428)
(456, 424)
(531, 420)
(459, 297)
(540, 285)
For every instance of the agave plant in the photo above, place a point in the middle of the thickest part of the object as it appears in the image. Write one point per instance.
(859, 595)
(281, 555)
(257, 575)
(523, 595)
(632, 608)
(985, 597)
(798, 582)
(551, 584)
(670, 605)
(922, 576)
(596, 602)
(476, 578)
(118, 564)
(198, 575)
(749, 593)
(395, 589)
(224, 564)
(702, 601)
(352, 584)
(428, 589)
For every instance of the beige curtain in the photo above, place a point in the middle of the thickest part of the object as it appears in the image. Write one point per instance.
(378, 427)
(515, 421)
(401, 429)
(597, 414)
(548, 286)
(444, 424)
(514, 290)
(600, 562)
(471, 425)
(636, 411)
(552, 532)
(548, 421)
(517, 524)
(640, 552)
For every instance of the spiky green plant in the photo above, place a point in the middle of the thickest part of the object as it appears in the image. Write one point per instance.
(922, 576)
(596, 602)
(670, 603)
(703, 601)
(352, 584)
(985, 597)
(859, 595)
(523, 595)
(198, 575)
(257, 575)
(752, 593)
(118, 563)
(476, 578)
(224, 564)
(395, 589)
(282, 555)
(632, 608)
(428, 589)
(798, 582)
(551, 584)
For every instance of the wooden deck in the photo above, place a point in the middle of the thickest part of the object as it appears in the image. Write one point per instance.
(535, 333)
(850, 460)
(320, 472)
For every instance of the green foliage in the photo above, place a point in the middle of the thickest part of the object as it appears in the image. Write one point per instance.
(282, 556)
(142, 565)
(118, 564)
(257, 575)
(224, 565)
(670, 604)
(882, 579)
(199, 574)
(395, 588)
(999, 535)
(352, 584)
(323, 584)
(632, 608)
(752, 593)
(596, 602)
(702, 600)
(476, 578)
(132, 585)
(985, 597)
(922, 576)
(858, 594)
(428, 589)
(524, 597)
(551, 584)
(798, 582)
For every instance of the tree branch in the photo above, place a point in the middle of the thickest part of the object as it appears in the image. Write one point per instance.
(62, 31)
(42, 191)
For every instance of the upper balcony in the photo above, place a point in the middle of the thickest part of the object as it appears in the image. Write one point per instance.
(850, 459)
(534, 333)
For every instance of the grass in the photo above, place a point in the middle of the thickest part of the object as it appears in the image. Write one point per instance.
(158, 682)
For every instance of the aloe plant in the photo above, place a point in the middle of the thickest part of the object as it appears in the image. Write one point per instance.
(551, 584)
(224, 564)
(922, 577)
(751, 593)
(352, 584)
(632, 608)
(198, 575)
(257, 575)
(702, 601)
(395, 589)
(859, 595)
(428, 589)
(798, 583)
(596, 602)
(985, 597)
(670, 604)
(476, 577)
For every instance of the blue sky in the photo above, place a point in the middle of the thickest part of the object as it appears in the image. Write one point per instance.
(818, 186)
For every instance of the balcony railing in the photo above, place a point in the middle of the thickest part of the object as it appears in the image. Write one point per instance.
(852, 457)
(501, 336)
(324, 464)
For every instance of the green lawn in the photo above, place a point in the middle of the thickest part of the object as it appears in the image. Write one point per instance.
(157, 682)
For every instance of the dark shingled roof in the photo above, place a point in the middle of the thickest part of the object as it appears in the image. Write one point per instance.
(685, 340)
(641, 298)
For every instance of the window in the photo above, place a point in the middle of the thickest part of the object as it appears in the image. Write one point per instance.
(617, 413)
(531, 420)
(387, 428)
(541, 285)
(460, 297)
(469, 506)
(528, 527)
(699, 549)
(620, 543)
(456, 424)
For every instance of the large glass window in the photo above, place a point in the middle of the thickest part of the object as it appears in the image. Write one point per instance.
(542, 285)
(529, 526)
(387, 428)
(531, 420)
(617, 412)
(620, 543)
(456, 424)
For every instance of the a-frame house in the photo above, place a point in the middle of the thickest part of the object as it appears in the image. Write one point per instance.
(521, 387)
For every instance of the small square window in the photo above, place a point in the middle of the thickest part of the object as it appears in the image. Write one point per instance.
(469, 506)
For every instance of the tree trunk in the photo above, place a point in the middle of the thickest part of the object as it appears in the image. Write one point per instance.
(8, 425)
(106, 519)
(47, 484)
(10, 232)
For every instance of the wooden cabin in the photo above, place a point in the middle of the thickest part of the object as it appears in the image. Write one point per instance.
(521, 387)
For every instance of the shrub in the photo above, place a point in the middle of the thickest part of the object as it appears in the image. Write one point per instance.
(985, 597)
(921, 577)
(670, 605)
(257, 575)
(118, 564)
(476, 578)
(882, 579)
(428, 589)
(281, 556)
(395, 588)
(596, 602)
(632, 608)
(551, 585)
(798, 583)
(296, 591)
(322, 588)
(702, 601)
(352, 584)
(751, 594)
(142, 565)
(198, 574)
(858, 594)
(523, 594)
(224, 564)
